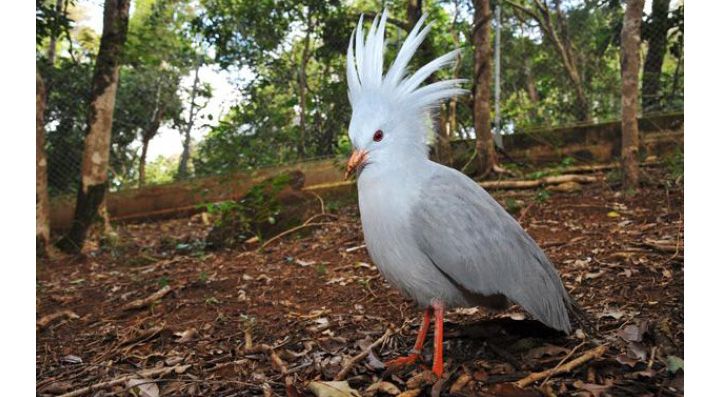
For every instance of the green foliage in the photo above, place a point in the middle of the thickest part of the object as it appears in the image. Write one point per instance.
(675, 163)
(512, 205)
(614, 176)
(161, 170)
(266, 127)
(258, 208)
(203, 277)
(158, 55)
(542, 196)
(50, 22)
(163, 281)
(321, 269)
(288, 59)
(556, 169)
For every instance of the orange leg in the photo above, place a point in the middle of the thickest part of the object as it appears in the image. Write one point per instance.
(438, 361)
(417, 350)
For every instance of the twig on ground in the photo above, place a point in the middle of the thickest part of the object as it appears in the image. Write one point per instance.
(356, 248)
(533, 183)
(524, 211)
(278, 364)
(590, 355)
(142, 336)
(294, 229)
(350, 363)
(667, 246)
(50, 318)
(565, 358)
(248, 336)
(142, 374)
(321, 202)
(140, 303)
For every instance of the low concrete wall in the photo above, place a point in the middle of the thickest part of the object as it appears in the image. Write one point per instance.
(592, 143)
(185, 196)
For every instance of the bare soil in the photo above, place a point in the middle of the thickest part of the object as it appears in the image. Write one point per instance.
(315, 299)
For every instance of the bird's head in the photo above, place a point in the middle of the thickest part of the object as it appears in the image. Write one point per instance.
(391, 119)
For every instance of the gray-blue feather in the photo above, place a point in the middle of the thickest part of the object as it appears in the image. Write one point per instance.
(433, 232)
(473, 241)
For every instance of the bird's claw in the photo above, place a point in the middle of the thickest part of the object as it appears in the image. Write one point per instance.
(402, 361)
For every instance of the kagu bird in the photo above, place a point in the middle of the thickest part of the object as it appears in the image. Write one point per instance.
(432, 231)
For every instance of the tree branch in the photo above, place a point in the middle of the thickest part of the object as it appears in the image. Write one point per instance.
(393, 21)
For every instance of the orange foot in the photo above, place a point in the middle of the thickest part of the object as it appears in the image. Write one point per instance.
(403, 361)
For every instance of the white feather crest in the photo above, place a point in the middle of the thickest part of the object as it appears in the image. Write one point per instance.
(364, 69)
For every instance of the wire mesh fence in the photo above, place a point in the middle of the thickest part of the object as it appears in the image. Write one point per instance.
(561, 62)
(555, 63)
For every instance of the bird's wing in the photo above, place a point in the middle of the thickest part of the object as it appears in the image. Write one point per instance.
(471, 239)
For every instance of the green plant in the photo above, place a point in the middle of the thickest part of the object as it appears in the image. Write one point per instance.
(321, 269)
(542, 195)
(163, 281)
(539, 174)
(512, 205)
(675, 163)
(247, 322)
(257, 209)
(614, 176)
(567, 162)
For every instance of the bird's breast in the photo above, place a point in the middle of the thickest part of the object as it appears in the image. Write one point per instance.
(386, 219)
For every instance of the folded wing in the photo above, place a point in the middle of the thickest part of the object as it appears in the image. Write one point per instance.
(471, 239)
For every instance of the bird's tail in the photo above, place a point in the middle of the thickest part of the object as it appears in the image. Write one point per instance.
(580, 316)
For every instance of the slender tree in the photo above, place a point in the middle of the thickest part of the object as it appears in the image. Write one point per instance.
(42, 199)
(554, 27)
(485, 149)
(150, 131)
(95, 161)
(456, 69)
(630, 60)
(183, 168)
(302, 86)
(60, 8)
(656, 31)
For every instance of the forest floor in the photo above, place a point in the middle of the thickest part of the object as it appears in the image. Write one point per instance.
(158, 314)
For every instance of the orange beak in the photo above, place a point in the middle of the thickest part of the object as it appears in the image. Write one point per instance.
(357, 159)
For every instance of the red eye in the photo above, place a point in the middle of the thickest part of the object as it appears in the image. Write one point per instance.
(378, 136)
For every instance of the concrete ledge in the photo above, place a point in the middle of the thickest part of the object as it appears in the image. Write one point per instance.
(594, 143)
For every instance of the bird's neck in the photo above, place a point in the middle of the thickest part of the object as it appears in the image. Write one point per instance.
(395, 168)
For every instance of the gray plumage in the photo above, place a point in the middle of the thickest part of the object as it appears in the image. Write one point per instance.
(439, 235)
(433, 232)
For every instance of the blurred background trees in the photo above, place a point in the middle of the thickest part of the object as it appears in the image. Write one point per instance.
(281, 63)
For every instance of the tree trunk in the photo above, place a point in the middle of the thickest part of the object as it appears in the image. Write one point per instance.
(485, 150)
(302, 85)
(94, 165)
(42, 198)
(414, 12)
(426, 52)
(183, 169)
(143, 161)
(443, 146)
(630, 59)
(456, 69)
(563, 46)
(656, 31)
(51, 50)
(149, 132)
(532, 90)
